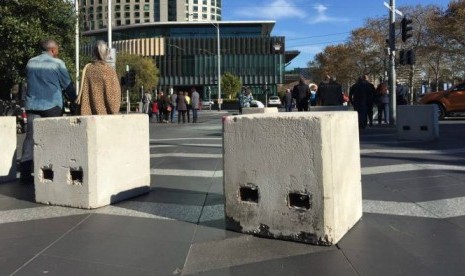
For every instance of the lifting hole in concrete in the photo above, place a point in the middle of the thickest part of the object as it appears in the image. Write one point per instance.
(424, 128)
(249, 194)
(47, 174)
(406, 128)
(299, 201)
(76, 175)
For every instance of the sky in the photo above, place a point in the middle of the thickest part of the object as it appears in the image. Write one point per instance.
(309, 26)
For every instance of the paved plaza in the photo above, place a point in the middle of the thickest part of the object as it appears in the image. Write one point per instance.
(413, 221)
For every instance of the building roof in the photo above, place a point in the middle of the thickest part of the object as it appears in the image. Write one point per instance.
(265, 26)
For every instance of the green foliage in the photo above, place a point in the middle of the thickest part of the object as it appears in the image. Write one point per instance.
(147, 74)
(230, 84)
(23, 23)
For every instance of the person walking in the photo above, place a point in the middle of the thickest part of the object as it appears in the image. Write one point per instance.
(47, 81)
(147, 103)
(313, 98)
(182, 107)
(195, 100)
(401, 94)
(382, 94)
(173, 105)
(329, 92)
(301, 94)
(189, 105)
(288, 100)
(359, 95)
(100, 91)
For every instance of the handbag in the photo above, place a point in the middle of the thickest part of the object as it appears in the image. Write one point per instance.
(77, 102)
(168, 108)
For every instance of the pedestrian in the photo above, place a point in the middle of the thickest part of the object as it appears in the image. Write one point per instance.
(288, 100)
(173, 105)
(100, 89)
(189, 106)
(313, 98)
(147, 103)
(382, 95)
(182, 107)
(301, 94)
(247, 99)
(241, 98)
(155, 112)
(47, 81)
(329, 92)
(164, 107)
(359, 95)
(195, 100)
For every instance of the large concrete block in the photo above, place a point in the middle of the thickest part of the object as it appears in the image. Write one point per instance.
(293, 176)
(257, 110)
(91, 161)
(7, 148)
(417, 122)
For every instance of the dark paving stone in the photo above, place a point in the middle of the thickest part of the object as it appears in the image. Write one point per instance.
(371, 252)
(193, 184)
(458, 221)
(173, 196)
(389, 177)
(405, 246)
(152, 254)
(11, 264)
(377, 191)
(321, 263)
(50, 265)
(25, 246)
(35, 228)
(434, 193)
(204, 164)
(9, 203)
(154, 229)
(18, 191)
(243, 250)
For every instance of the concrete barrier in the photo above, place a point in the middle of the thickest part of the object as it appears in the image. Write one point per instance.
(7, 148)
(256, 110)
(330, 108)
(91, 161)
(293, 176)
(417, 122)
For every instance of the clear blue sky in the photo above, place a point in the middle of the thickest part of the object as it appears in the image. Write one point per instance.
(309, 25)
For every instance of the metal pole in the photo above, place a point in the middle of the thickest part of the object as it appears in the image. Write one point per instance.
(219, 65)
(109, 24)
(128, 104)
(392, 61)
(76, 6)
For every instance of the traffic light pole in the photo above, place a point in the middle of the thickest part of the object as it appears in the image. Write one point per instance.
(392, 61)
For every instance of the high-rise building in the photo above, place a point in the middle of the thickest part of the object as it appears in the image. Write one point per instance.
(131, 12)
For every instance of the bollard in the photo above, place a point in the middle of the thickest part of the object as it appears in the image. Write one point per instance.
(7, 148)
(417, 122)
(255, 110)
(293, 176)
(91, 161)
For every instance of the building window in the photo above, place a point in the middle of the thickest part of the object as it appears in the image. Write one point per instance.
(204, 9)
(117, 15)
(118, 22)
(212, 17)
(117, 8)
(213, 3)
(118, 1)
(137, 21)
(99, 9)
(205, 2)
(127, 7)
(196, 16)
(128, 21)
(146, 7)
(127, 14)
(196, 9)
(196, 2)
(136, 7)
(137, 14)
(100, 2)
(146, 14)
(147, 20)
(204, 16)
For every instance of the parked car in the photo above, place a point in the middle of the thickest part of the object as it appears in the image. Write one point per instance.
(448, 101)
(274, 101)
(206, 104)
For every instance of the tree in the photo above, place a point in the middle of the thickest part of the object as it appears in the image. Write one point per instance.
(23, 23)
(230, 84)
(145, 69)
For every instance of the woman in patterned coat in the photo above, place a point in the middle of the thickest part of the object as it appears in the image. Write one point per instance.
(101, 91)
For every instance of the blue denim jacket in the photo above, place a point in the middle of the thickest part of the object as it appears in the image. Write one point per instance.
(47, 77)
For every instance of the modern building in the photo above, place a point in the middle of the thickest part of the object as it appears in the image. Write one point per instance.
(184, 43)
(130, 12)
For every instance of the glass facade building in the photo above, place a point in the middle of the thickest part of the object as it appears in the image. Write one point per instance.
(187, 54)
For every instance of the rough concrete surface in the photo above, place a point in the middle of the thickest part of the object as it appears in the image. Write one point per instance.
(7, 148)
(417, 122)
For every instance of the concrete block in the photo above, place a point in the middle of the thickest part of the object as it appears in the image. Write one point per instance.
(293, 176)
(417, 122)
(330, 108)
(91, 161)
(7, 148)
(257, 110)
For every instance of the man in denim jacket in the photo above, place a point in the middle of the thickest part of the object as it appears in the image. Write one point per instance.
(47, 80)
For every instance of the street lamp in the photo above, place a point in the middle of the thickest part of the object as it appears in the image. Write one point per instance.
(217, 26)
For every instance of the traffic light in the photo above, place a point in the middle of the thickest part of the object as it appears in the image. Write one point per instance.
(402, 57)
(406, 28)
(410, 56)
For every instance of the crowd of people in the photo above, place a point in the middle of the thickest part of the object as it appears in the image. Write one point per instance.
(166, 107)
